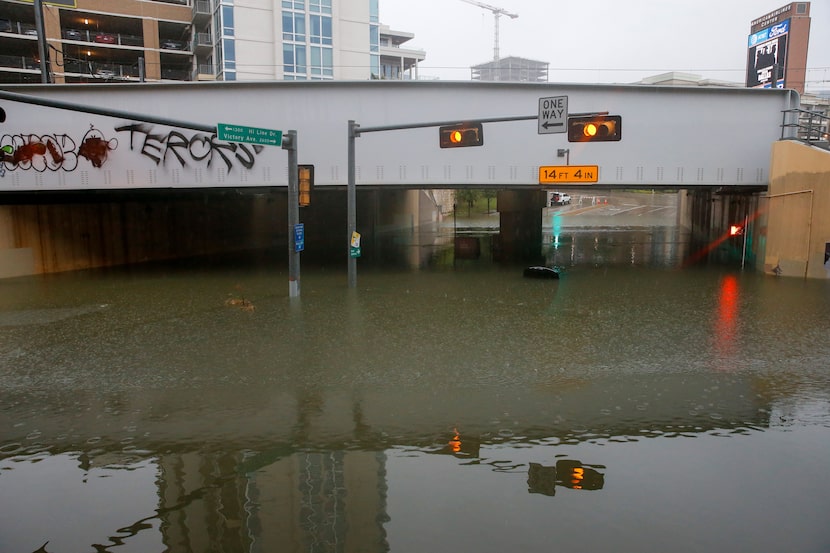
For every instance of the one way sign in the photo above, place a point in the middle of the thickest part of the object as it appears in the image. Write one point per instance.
(553, 114)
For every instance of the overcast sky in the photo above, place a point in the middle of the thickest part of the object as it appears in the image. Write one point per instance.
(600, 41)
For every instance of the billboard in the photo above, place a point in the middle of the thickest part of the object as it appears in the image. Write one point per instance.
(767, 57)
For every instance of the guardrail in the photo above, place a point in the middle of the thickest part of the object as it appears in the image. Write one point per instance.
(810, 127)
(203, 7)
(20, 62)
(203, 39)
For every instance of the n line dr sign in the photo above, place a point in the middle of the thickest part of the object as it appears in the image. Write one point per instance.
(251, 135)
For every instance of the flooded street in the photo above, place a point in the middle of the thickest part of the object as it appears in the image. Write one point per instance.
(635, 404)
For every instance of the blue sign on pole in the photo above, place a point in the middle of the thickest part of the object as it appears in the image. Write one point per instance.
(299, 237)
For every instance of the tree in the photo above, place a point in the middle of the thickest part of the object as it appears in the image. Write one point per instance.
(490, 194)
(467, 196)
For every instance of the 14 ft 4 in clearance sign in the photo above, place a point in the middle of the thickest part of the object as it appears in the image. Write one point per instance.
(573, 174)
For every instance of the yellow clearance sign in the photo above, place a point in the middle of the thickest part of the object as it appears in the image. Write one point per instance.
(571, 174)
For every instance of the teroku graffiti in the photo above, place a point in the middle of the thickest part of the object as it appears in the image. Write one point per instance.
(63, 152)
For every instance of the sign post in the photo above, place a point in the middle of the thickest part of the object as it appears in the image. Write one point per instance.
(296, 231)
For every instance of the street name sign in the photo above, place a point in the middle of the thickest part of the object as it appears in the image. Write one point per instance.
(573, 174)
(553, 114)
(251, 135)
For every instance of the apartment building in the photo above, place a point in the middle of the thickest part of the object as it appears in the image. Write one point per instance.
(190, 40)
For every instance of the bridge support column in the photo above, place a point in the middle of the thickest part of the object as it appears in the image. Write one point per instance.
(520, 225)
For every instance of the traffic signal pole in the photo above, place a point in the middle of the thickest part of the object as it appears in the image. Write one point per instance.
(355, 131)
(351, 202)
(290, 144)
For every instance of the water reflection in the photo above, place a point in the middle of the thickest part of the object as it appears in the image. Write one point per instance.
(144, 411)
(568, 473)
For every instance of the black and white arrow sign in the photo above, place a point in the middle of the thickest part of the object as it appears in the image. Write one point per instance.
(553, 113)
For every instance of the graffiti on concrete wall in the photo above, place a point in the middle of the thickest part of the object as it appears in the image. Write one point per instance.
(177, 148)
(53, 152)
(62, 152)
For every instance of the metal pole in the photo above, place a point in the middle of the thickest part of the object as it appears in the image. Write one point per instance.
(83, 108)
(41, 41)
(746, 231)
(351, 201)
(293, 215)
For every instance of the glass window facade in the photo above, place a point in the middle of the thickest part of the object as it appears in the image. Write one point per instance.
(293, 26)
(319, 6)
(322, 63)
(320, 29)
(226, 49)
(227, 20)
(307, 55)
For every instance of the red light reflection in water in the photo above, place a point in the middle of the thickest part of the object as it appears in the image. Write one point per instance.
(725, 331)
(455, 443)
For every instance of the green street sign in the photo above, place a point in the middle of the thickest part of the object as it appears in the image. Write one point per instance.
(251, 135)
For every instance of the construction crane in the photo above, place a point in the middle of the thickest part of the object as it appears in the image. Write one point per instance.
(497, 12)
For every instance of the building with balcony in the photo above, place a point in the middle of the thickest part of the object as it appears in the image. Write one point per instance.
(188, 40)
(396, 61)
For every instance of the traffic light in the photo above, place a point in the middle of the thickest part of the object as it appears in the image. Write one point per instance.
(305, 174)
(595, 128)
(461, 135)
(736, 230)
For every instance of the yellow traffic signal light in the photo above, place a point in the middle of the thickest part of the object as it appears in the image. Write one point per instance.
(461, 135)
(595, 128)
(305, 174)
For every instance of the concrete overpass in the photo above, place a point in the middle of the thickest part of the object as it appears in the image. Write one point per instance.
(137, 173)
(677, 137)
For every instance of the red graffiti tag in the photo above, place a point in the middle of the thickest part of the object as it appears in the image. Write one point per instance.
(27, 152)
(57, 157)
(95, 150)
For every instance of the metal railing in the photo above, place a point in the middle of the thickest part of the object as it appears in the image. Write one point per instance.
(100, 71)
(810, 127)
(20, 62)
(203, 71)
(203, 39)
(101, 37)
(203, 7)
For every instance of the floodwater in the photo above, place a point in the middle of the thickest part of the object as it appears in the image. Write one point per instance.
(635, 404)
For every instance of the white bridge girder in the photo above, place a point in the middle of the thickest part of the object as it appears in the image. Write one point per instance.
(671, 137)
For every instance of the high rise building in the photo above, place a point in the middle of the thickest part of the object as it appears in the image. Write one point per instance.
(188, 40)
(511, 69)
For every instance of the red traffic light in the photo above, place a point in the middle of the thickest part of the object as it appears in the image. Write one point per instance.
(595, 128)
(461, 135)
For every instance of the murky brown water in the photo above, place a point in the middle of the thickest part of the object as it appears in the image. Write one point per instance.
(632, 406)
